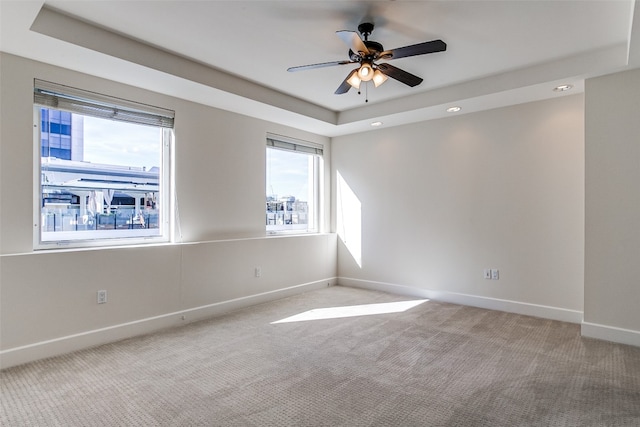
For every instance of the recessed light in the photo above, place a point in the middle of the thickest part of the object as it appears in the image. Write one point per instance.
(376, 124)
(454, 109)
(562, 88)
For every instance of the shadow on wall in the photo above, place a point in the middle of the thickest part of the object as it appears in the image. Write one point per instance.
(349, 219)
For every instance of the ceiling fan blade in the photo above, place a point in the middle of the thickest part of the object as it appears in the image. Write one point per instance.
(320, 65)
(345, 86)
(353, 40)
(400, 75)
(413, 50)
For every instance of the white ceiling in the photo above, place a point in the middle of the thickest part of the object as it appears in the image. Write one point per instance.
(234, 54)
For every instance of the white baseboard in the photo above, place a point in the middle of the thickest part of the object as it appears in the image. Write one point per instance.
(610, 333)
(40, 350)
(543, 311)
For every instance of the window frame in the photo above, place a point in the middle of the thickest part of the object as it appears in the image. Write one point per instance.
(284, 143)
(316, 210)
(165, 188)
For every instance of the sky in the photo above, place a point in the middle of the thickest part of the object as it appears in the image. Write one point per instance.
(287, 174)
(134, 145)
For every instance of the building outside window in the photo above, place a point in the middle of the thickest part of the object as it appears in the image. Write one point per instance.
(292, 185)
(55, 133)
(103, 165)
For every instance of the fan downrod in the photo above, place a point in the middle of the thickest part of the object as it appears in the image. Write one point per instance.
(366, 28)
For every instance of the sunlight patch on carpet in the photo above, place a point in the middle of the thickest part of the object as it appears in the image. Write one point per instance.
(352, 311)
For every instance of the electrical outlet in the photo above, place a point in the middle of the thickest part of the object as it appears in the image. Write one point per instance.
(495, 274)
(487, 273)
(258, 271)
(102, 297)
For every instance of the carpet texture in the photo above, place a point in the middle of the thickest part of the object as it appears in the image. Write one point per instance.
(435, 364)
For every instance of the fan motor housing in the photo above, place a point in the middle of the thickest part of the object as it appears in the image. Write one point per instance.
(374, 49)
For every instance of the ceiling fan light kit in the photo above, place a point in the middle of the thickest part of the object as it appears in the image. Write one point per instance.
(379, 78)
(354, 80)
(365, 72)
(366, 52)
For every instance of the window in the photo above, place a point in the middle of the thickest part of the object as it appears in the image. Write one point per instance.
(293, 185)
(103, 168)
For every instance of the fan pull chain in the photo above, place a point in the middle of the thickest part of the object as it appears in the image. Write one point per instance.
(366, 91)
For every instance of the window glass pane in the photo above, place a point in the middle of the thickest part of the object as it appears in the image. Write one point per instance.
(65, 117)
(54, 140)
(102, 182)
(59, 153)
(291, 191)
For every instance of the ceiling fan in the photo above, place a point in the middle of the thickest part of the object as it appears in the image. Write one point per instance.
(366, 52)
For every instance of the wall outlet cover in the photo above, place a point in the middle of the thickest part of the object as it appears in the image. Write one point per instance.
(102, 297)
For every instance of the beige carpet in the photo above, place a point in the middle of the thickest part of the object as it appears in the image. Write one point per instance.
(434, 364)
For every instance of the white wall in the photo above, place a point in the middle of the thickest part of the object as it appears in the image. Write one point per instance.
(437, 202)
(612, 259)
(444, 199)
(48, 298)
